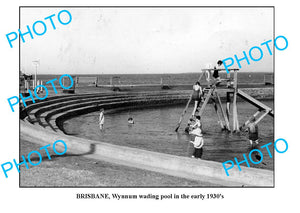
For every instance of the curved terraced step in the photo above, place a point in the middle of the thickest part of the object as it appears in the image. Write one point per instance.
(46, 116)
(40, 112)
(50, 100)
(44, 112)
(59, 99)
(92, 106)
(53, 99)
(47, 105)
(57, 120)
(33, 107)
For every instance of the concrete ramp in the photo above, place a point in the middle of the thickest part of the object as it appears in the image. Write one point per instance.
(255, 102)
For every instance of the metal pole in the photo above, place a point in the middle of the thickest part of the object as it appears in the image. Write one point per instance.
(35, 75)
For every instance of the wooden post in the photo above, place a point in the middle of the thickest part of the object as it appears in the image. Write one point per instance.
(248, 121)
(208, 96)
(261, 117)
(38, 83)
(234, 112)
(216, 109)
(210, 82)
(235, 115)
(228, 100)
(183, 113)
(27, 85)
(223, 113)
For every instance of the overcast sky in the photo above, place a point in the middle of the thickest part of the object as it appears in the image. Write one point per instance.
(144, 40)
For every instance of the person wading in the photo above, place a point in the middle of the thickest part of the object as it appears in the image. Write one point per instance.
(196, 130)
(253, 132)
(101, 119)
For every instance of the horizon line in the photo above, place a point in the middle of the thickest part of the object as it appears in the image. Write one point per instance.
(140, 73)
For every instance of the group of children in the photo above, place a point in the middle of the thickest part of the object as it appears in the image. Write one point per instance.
(197, 90)
(195, 128)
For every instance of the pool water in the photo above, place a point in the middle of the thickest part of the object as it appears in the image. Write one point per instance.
(154, 130)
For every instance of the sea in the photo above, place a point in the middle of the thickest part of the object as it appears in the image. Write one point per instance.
(171, 79)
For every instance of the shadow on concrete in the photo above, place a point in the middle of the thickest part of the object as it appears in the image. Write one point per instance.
(54, 156)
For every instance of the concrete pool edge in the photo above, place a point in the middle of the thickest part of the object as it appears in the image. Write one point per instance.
(184, 167)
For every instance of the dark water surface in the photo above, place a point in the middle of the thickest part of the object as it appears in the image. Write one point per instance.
(154, 130)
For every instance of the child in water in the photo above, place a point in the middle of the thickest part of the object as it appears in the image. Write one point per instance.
(188, 128)
(198, 140)
(101, 119)
(253, 132)
(130, 120)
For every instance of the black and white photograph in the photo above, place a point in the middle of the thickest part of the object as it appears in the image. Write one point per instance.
(149, 106)
(141, 96)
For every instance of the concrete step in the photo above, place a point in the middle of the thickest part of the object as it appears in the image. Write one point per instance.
(56, 120)
(38, 111)
(45, 114)
(53, 100)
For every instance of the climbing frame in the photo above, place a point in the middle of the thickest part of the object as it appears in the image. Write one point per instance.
(231, 89)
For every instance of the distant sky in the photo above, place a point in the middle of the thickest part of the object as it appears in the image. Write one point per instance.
(144, 40)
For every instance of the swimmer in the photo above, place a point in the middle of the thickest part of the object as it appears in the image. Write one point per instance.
(130, 120)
